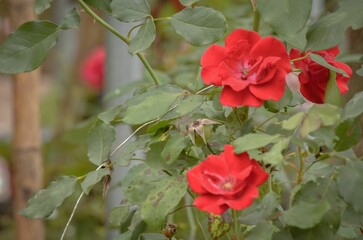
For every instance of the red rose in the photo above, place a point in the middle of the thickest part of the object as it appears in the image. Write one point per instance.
(314, 77)
(225, 181)
(251, 69)
(92, 70)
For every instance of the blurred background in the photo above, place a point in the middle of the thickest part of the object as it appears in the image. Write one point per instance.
(83, 75)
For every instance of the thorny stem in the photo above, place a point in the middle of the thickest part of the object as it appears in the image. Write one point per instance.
(120, 36)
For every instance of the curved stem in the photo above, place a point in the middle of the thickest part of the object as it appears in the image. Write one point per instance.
(120, 36)
(72, 214)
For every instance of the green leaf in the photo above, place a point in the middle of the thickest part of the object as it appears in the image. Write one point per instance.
(260, 210)
(144, 37)
(262, 230)
(163, 199)
(110, 114)
(99, 140)
(332, 93)
(306, 214)
(274, 155)
(310, 123)
(100, 4)
(320, 60)
(41, 5)
(151, 104)
(188, 3)
(153, 236)
(186, 106)
(348, 133)
(330, 30)
(253, 141)
(360, 71)
(173, 147)
(45, 201)
(199, 25)
(130, 10)
(122, 90)
(350, 181)
(328, 114)
(353, 107)
(128, 151)
(26, 48)
(139, 181)
(92, 178)
(71, 20)
(275, 13)
(293, 122)
(119, 215)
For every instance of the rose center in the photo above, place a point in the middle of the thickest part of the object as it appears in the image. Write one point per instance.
(228, 184)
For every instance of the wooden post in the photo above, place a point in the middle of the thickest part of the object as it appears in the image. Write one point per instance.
(27, 162)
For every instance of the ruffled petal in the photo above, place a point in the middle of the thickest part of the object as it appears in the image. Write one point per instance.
(231, 77)
(211, 203)
(213, 56)
(231, 98)
(271, 46)
(250, 38)
(271, 90)
(244, 199)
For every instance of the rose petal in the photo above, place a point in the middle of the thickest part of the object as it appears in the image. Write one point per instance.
(244, 199)
(231, 98)
(211, 203)
(271, 90)
(250, 38)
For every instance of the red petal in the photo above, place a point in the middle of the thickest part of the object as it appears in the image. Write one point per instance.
(271, 46)
(258, 175)
(210, 203)
(231, 98)
(243, 200)
(195, 178)
(250, 37)
(213, 56)
(232, 78)
(273, 89)
(210, 76)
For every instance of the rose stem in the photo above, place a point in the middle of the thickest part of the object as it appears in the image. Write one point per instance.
(120, 36)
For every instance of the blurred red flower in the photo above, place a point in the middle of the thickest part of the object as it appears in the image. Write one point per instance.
(251, 69)
(92, 69)
(314, 77)
(226, 181)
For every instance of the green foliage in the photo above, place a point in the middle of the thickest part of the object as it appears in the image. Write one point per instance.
(199, 25)
(253, 141)
(144, 37)
(348, 134)
(119, 215)
(99, 140)
(275, 13)
(329, 30)
(25, 49)
(332, 92)
(321, 61)
(71, 20)
(353, 108)
(130, 10)
(41, 5)
(350, 180)
(306, 214)
(92, 178)
(44, 202)
(100, 4)
(262, 230)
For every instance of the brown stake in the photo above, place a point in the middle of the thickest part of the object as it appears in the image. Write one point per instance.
(27, 162)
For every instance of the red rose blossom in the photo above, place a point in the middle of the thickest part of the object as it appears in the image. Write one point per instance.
(225, 181)
(251, 69)
(314, 77)
(92, 70)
